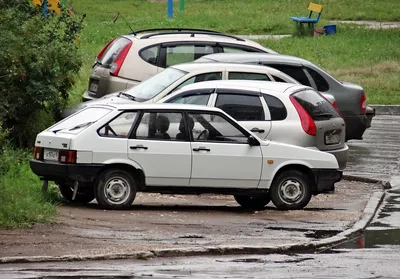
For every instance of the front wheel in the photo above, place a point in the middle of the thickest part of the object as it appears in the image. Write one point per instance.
(115, 189)
(84, 195)
(252, 202)
(291, 189)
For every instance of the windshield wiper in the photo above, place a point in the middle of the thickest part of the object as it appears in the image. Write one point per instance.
(74, 128)
(130, 97)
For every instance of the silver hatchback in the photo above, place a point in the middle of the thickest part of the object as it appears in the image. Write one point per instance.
(283, 112)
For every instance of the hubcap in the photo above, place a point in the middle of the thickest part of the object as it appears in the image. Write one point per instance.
(117, 190)
(291, 191)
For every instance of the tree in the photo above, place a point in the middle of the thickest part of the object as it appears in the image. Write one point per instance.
(38, 63)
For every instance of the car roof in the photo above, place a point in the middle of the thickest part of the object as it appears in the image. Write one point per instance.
(196, 35)
(270, 57)
(161, 106)
(271, 86)
(211, 66)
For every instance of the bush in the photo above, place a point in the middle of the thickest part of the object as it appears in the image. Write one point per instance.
(38, 63)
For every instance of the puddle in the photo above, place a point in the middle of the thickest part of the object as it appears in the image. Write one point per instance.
(316, 234)
(373, 239)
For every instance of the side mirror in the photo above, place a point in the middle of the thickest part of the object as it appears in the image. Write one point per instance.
(252, 141)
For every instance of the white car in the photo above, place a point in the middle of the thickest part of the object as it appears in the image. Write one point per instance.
(175, 77)
(283, 112)
(112, 152)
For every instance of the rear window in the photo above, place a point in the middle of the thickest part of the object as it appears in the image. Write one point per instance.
(112, 51)
(80, 120)
(316, 105)
(295, 72)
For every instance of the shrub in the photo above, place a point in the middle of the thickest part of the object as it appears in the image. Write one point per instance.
(38, 63)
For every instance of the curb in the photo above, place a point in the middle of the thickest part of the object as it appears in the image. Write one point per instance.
(384, 183)
(311, 246)
(386, 109)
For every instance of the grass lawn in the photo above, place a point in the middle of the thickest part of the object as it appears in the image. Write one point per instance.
(369, 58)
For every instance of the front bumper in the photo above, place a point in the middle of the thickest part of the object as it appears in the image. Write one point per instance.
(54, 171)
(325, 180)
(356, 126)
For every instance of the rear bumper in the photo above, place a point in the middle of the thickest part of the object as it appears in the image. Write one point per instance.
(87, 96)
(370, 113)
(54, 171)
(342, 156)
(325, 180)
(356, 126)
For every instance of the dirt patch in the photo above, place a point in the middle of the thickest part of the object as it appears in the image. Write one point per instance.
(174, 221)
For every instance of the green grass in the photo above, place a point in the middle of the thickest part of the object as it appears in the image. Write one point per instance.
(350, 49)
(22, 202)
(367, 57)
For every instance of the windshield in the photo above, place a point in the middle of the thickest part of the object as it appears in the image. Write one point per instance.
(151, 87)
(80, 120)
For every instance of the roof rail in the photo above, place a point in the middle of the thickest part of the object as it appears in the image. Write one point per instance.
(191, 31)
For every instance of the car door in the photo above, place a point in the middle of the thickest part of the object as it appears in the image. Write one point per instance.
(157, 145)
(247, 107)
(221, 155)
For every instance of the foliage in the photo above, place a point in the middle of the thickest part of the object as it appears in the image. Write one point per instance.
(21, 202)
(38, 62)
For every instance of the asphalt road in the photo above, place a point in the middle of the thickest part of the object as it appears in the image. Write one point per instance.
(378, 154)
(374, 255)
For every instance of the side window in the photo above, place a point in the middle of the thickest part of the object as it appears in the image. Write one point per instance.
(150, 54)
(119, 127)
(278, 79)
(200, 78)
(276, 108)
(248, 76)
(241, 107)
(160, 126)
(322, 84)
(215, 128)
(295, 72)
(186, 53)
(195, 99)
(229, 49)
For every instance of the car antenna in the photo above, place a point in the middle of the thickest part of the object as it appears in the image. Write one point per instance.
(117, 16)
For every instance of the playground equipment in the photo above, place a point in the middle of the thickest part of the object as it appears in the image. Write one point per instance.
(171, 7)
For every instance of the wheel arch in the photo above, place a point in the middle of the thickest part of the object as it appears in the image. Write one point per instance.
(299, 167)
(136, 171)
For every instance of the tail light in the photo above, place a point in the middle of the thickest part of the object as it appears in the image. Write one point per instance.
(67, 156)
(100, 55)
(307, 122)
(38, 153)
(119, 60)
(363, 103)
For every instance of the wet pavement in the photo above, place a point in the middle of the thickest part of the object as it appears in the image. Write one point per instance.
(378, 154)
(376, 254)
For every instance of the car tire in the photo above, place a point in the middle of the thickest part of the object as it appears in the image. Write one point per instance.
(291, 190)
(115, 189)
(84, 195)
(252, 202)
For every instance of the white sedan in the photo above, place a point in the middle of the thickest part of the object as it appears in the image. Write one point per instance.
(111, 152)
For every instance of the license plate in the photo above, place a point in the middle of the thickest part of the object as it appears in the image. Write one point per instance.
(94, 87)
(50, 154)
(332, 139)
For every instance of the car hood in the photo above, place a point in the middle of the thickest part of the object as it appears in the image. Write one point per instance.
(108, 99)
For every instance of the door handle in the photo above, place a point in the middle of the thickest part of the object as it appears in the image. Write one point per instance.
(201, 148)
(257, 130)
(138, 147)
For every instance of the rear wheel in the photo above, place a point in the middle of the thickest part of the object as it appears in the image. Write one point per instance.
(85, 193)
(115, 189)
(291, 189)
(252, 202)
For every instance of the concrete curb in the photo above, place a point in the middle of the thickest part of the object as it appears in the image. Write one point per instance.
(311, 246)
(386, 109)
(385, 184)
